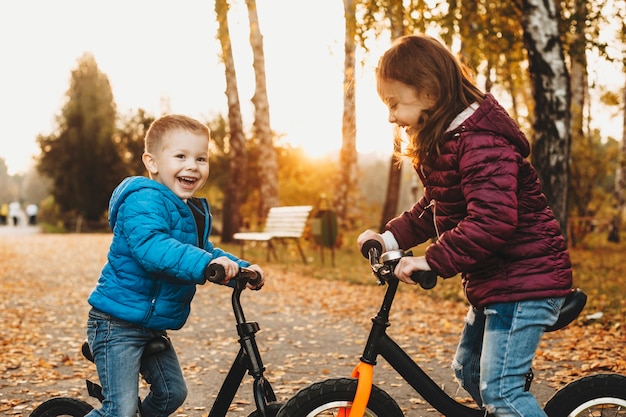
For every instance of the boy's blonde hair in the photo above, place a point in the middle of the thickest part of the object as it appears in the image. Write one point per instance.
(153, 141)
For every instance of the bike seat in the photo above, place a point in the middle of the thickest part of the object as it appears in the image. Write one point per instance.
(86, 351)
(574, 303)
(155, 345)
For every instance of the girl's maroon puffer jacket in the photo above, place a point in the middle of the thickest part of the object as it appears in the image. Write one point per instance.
(484, 205)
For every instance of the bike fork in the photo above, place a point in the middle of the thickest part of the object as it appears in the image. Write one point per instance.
(364, 372)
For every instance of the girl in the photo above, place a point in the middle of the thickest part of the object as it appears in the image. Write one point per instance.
(484, 206)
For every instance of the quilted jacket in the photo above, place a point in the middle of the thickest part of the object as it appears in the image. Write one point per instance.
(156, 257)
(491, 222)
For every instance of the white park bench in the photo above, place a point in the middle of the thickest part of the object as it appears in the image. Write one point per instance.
(282, 224)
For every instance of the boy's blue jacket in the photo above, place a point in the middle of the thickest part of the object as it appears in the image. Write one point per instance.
(155, 259)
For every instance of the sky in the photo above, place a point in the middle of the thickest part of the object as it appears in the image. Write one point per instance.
(154, 53)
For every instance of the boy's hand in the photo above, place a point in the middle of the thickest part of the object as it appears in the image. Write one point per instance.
(231, 269)
(261, 282)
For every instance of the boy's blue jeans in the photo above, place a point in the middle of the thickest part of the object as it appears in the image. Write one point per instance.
(496, 350)
(117, 347)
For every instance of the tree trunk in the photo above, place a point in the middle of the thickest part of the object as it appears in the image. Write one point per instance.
(550, 86)
(620, 180)
(579, 91)
(390, 208)
(237, 148)
(268, 165)
(345, 194)
(395, 15)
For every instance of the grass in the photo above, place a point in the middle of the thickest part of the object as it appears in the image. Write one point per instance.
(599, 269)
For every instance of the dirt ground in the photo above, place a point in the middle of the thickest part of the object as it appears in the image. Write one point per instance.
(310, 330)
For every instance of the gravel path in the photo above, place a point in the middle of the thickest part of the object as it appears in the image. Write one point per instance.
(310, 329)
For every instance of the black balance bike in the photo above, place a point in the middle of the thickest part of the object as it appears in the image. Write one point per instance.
(248, 360)
(357, 396)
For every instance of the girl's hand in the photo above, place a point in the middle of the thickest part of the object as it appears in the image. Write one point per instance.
(369, 235)
(409, 264)
(260, 284)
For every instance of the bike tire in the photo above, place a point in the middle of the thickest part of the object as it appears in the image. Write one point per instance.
(597, 395)
(325, 397)
(271, 411)
(62, 406)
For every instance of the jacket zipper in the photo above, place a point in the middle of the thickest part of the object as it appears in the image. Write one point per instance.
(153, 298)
(432, 205)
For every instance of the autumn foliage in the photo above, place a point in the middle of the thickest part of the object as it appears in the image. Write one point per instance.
(313, 326)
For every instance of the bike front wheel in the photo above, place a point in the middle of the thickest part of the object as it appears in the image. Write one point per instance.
(326, 398)
(594, 395)
(62, 406)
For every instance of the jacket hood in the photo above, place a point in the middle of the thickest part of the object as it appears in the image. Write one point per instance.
(492, 117)
(132, 184)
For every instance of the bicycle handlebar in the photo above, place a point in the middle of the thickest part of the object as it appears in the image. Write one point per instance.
(217, 274)
(372, 250)
(426, 279)
(371, 244)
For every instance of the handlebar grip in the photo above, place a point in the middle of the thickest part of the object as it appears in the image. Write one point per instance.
(250, 276)
(256, 280)
(371, 244)
(215, 273)
(426, 279)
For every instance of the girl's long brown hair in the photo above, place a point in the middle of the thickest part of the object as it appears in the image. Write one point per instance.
(425, 64)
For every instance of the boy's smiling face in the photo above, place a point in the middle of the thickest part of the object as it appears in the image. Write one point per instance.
(182, 164)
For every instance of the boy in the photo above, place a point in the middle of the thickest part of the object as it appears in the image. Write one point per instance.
(159, 253)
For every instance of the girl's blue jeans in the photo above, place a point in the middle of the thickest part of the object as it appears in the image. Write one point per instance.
(496, 350)
(117, 347)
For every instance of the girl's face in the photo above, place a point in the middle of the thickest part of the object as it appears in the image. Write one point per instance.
(404, 103)
(182, 165)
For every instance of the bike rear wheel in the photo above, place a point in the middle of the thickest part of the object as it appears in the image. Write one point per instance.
(327, 397)
(62, 406)
(595, 395)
